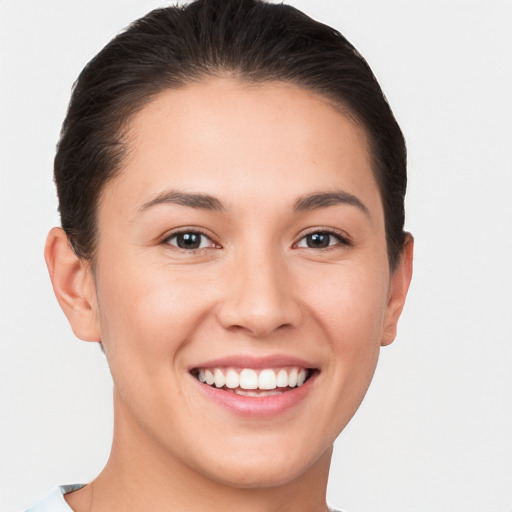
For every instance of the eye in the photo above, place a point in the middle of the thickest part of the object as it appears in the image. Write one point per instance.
(321, 240)
(190, 240)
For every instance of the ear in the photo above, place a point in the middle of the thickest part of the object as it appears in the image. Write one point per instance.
(399, 285)
(73, 284)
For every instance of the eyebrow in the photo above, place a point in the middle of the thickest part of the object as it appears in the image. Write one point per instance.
(202, 201)
(206, 202)
(326, 199)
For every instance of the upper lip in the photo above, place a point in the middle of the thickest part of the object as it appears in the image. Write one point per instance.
(255, 362)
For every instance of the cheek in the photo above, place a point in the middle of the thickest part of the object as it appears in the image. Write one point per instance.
(349, 302)
(350, 311)
(147, 313)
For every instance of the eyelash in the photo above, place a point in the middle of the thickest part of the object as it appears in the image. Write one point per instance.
(341, 238)
(190, 231)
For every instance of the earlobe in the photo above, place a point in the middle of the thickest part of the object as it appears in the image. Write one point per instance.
(73, 285)
(399, 285)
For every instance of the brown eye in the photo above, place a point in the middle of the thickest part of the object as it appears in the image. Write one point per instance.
(320, 240)
(190, 240)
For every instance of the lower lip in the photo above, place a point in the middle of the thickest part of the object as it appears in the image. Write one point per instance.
(263, 406)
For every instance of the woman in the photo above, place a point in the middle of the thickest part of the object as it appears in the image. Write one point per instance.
(231, 184)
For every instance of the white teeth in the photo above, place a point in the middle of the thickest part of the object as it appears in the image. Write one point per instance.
(208, 375)
(220, 380)
(282, 379)
(267, 379)
(292, 378)
(248, 379)
(232, 379)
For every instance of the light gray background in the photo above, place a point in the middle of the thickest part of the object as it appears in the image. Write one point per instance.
(435, 431)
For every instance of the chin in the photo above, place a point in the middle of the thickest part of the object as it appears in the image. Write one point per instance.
(260, 468)
(258, 477)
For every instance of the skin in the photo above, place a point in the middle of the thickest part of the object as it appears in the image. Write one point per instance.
(255, 288)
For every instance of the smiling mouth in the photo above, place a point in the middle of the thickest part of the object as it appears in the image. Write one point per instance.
(254, 383)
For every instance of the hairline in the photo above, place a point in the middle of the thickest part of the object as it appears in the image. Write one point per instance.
(128, 111)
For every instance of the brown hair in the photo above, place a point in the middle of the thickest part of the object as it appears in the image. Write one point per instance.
(174, 46)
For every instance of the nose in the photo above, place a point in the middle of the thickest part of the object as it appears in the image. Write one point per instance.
(259, 297)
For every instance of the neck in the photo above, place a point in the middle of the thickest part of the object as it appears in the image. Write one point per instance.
(141, 475)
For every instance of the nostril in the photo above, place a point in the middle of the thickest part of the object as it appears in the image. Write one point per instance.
(258, 322)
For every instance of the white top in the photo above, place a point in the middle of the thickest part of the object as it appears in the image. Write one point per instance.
(54, 501)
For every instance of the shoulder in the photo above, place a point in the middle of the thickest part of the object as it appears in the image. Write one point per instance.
(54, 501)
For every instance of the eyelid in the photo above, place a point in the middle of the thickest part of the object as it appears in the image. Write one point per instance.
(342, 236)
(189, 229)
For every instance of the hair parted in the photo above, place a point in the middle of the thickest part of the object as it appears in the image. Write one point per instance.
(249, 40)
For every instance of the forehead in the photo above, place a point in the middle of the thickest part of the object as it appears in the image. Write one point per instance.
(238, 140)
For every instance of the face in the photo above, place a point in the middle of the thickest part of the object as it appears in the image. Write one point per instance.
(242, 281)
